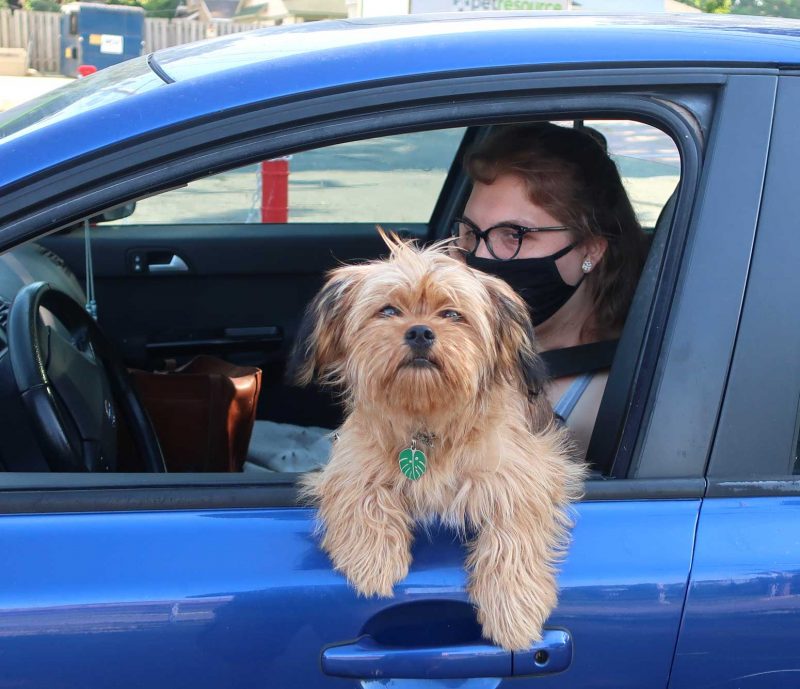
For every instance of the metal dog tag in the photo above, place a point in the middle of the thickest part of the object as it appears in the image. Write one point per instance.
(413, 463)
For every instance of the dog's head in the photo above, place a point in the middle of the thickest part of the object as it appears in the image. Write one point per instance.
(419, 330)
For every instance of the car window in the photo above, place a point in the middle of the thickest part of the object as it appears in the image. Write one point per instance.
(391, 179)
(648, 162)
(114, 83)
(239, 294)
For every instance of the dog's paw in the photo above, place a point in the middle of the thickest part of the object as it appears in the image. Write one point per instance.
(378, 577)
(513, 631)
(512, 612)
(373, 567)
(375, 584)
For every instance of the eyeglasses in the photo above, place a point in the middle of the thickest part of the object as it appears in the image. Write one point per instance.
(503, 241)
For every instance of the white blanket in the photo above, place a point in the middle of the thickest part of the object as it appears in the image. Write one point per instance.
(288, 448)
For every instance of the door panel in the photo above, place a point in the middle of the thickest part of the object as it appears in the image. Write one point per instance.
(235, 276)
(743, 609)
(244, 598)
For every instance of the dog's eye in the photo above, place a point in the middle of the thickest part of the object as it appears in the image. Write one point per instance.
(451, 314)
(389, 311)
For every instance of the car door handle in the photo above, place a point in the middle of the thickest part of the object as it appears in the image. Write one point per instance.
(175, 265)
(365, 658)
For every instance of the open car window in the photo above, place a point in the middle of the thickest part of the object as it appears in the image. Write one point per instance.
(187, 241)
(648, 161)
(390, 179)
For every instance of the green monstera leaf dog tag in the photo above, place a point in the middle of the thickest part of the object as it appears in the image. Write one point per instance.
(412, 463)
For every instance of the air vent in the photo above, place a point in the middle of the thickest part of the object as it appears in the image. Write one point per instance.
(5, 305)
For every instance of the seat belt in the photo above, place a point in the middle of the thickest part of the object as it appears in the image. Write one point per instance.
(571, 361)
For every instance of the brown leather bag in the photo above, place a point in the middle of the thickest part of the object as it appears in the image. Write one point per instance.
(203, 412)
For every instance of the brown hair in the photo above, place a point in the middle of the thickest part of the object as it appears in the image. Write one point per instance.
(570, 175)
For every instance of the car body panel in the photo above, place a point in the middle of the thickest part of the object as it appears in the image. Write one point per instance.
(743, 609)
(245, 598)
(285, 62)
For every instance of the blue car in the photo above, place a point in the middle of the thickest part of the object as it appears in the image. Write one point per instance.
(684, 566)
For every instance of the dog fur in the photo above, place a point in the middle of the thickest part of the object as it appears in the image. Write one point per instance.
(498, 469)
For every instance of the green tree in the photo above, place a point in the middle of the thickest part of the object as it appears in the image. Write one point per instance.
(762, 8)
(161, 8)
(715, 6)
(165, 9)
(42, 5)
(767, 8)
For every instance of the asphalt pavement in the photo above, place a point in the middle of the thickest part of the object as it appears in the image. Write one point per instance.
(17, 90)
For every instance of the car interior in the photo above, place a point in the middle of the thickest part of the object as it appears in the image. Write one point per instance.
(208, 270)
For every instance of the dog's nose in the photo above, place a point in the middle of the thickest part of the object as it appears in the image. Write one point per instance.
(420, 336)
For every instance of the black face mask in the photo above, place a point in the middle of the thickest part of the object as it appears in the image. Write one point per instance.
(536, 280)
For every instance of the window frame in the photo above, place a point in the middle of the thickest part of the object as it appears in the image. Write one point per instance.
(758, 424)
(330, 118)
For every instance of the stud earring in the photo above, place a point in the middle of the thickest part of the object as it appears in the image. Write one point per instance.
(586, 266)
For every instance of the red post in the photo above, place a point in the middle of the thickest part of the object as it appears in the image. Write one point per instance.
(275, 190)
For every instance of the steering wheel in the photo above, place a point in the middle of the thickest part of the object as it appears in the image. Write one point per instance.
(72, 381)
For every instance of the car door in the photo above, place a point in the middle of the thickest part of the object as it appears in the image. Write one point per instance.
(747, 560)
(208, 581)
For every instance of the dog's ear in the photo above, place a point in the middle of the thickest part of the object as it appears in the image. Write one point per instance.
(318, 350)
(517, 357)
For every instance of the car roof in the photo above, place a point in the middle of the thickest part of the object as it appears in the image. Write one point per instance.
(473, 39)
(200, 80)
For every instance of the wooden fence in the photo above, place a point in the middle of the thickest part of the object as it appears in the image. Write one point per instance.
(165, 33)
(38, 33)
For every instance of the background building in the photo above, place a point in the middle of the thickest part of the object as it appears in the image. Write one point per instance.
(207, 10)
(376, 8)
(278, 12)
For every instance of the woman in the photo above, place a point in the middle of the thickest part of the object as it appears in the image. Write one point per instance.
(549, 214)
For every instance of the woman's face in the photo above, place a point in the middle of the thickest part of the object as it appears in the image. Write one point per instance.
(506, 201)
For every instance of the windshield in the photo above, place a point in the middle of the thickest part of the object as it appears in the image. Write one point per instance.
(107, 85)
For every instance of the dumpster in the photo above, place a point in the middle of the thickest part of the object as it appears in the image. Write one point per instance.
(99, 35)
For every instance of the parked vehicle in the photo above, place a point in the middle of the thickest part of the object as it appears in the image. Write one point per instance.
(99, 35)
(684, 566)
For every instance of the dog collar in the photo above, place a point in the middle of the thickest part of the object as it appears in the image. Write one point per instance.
(423, 438)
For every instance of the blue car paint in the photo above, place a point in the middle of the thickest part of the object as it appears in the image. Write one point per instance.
(743, 609)
(241, 70)
(245, 598)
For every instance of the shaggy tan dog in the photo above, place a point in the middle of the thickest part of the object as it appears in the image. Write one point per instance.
(445, 420)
